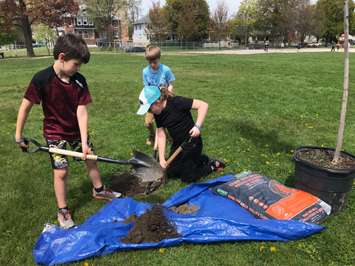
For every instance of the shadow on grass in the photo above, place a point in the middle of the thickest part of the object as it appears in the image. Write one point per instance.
(9, 57)
(80, 195)
(261, 137)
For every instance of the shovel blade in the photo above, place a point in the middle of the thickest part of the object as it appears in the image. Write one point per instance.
(151, 171)
(143, 159)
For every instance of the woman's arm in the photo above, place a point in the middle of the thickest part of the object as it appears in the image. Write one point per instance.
(161, 146)
(171, 87)
(202, 108)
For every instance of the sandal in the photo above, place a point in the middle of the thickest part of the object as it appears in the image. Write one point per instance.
(217, 165)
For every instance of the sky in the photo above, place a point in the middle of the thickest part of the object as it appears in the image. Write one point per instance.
(231, 4)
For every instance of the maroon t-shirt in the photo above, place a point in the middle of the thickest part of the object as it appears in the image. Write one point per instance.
(60, 101)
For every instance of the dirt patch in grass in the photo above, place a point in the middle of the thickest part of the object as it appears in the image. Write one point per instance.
(126, 183)
(152, 226)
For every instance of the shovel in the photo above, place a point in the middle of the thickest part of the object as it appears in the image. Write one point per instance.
(136, 162)
(155, 171)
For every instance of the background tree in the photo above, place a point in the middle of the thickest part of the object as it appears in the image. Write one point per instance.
(331, 15)
(303, 15)
(276, 18)
(158, 27)
(244, 22)
(219, 24)
(7, 33)
(44, 34)
(188, 20)
(51, 13)
(340, 137)
(23, 14)
(17, 13)
(102, 12)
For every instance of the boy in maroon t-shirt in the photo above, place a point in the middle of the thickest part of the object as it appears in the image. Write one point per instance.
(64, 95)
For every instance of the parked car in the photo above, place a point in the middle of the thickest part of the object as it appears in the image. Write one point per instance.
(257, 45)
(314, 44)
(134, 49)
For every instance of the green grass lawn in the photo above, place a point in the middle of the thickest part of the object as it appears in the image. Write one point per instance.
(39, 51)
(262, 107)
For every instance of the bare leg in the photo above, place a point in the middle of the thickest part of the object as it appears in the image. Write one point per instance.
(149, 124)
(60, 180)
(94, 173)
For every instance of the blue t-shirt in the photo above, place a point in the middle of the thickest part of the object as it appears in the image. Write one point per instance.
(163, 76)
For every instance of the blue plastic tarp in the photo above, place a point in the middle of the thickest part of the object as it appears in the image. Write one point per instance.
(218, 219)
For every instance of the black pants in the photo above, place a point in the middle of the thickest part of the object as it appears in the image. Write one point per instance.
(191, 164)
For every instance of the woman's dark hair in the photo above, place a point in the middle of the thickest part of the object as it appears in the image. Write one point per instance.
(73, 47)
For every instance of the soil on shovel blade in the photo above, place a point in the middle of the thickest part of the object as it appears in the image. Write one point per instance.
(323, 158)
(185, 209)
(152, 226)
(126, 183)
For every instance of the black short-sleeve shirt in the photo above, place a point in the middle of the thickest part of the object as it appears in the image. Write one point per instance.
(176, 118)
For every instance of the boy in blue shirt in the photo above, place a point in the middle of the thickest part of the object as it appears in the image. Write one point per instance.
(155, 74)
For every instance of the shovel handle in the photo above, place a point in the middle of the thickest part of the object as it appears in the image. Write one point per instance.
(72, 153)
(155, 148)
(80, 155)
(173, 156)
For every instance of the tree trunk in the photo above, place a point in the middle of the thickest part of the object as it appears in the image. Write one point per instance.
(27, 33)
(340, 137)
(109, 33)
(26, 29)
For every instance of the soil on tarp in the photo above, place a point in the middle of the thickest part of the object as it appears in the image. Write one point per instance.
(323, 158)
(130, 219)
(152, 226)
(127, 184)
(185, 208)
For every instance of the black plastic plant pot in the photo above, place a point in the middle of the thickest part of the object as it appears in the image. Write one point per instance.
(330, 185)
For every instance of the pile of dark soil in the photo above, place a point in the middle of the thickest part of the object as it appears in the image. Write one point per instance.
(323, 158)
(185, 209)
(152, 226)
(127, 184)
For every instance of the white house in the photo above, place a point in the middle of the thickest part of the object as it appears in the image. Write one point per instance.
(140, 32)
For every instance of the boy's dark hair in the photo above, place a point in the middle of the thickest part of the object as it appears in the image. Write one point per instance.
(73, 47)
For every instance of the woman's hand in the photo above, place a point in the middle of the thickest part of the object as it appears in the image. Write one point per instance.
(163, 163)
(195, 132)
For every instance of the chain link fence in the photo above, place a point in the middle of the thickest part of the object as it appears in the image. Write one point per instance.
(15, 50)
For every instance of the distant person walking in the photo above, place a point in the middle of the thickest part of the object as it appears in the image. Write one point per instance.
(333, 47)
(266, 45)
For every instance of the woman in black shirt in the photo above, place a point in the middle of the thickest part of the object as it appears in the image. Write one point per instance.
(174, 114)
